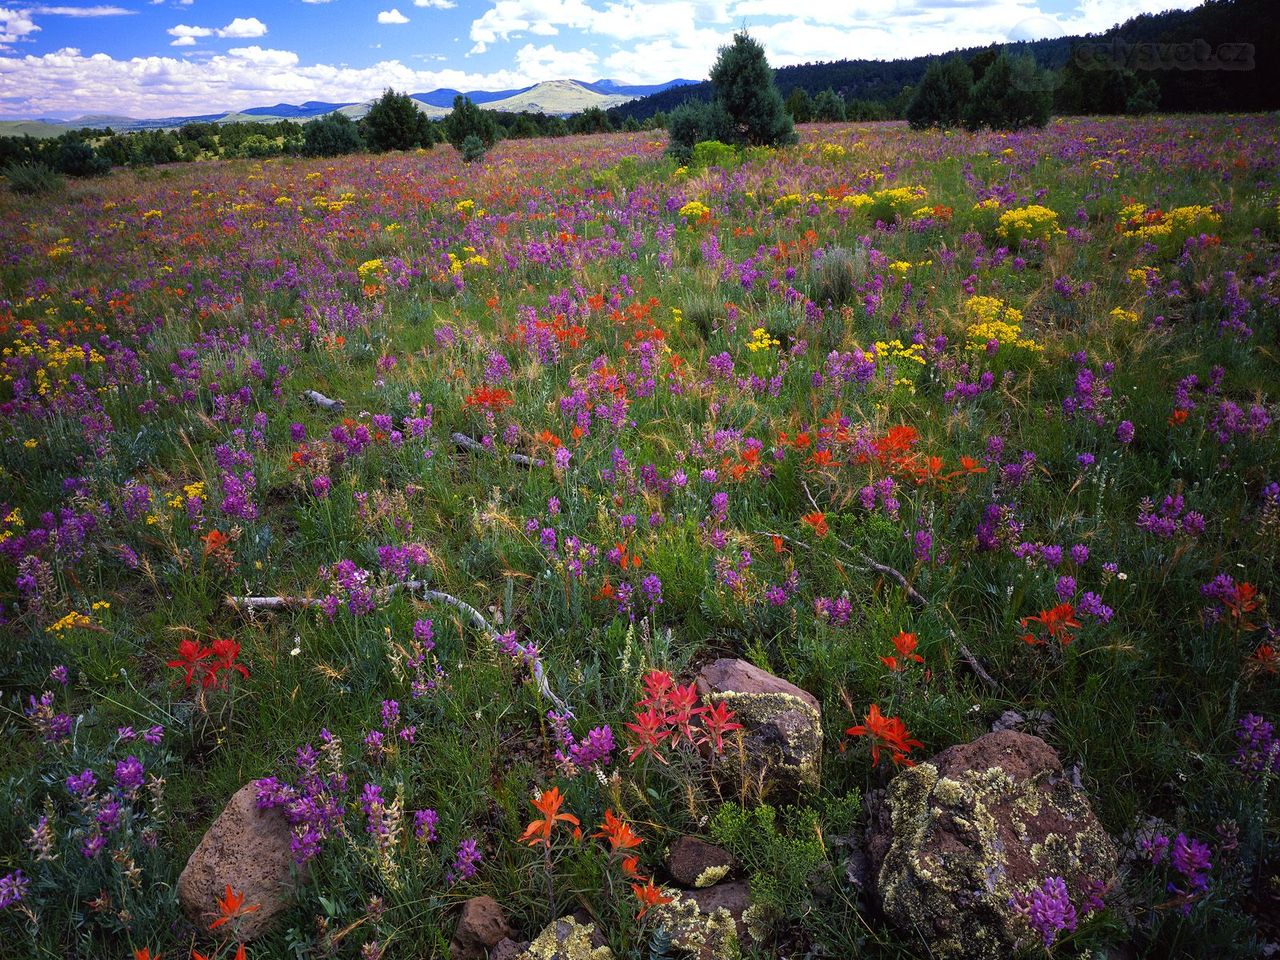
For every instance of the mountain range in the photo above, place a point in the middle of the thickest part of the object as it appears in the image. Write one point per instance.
(552, 97)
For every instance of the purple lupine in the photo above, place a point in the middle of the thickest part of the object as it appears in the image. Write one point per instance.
(465, 862)
(424, 825)
(1047, 909)
(130, 774)
(1259, 750)
(13, 887)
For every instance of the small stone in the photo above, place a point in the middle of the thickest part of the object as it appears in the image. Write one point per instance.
(480, 927)
(708, 923)
(781, 748)
(507, 949)
(696, 863)
(249, 850)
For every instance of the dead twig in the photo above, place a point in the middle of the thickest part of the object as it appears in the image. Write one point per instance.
(472, 445)
(323, 402)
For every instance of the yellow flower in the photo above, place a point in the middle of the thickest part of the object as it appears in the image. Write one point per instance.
(695, 210)
(30, 443)
(760, 340)
(991, 319)
(369, 268)
(1123, 315)
(1028, 223)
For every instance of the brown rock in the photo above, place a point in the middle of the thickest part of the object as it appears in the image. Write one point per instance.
(781, 743)
(567, 939)
(507, 949)
(690, 860)
(708, 923)
(480, 928)
(248, 849)
(955, 838)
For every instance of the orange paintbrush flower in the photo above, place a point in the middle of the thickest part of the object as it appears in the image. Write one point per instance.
(818, 520)
(905, 644)
(549, 804)
(1058, 622)
(649, 896)
(618, 833)
(231, 907)
(887, 732)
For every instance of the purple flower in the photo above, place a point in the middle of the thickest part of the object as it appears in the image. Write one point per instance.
(297, 432)
(130, 774)
(13, 887)
(320, 487)
(1124, 432)
(424, 825)
(1193, 860)
(1048, 909)
(82, 785)
(465, 862)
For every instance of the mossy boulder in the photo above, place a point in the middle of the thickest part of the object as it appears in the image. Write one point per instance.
(567, 939)
(956, 838)
(781, 745)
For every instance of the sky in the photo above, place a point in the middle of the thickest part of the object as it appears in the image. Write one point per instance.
(160, 58)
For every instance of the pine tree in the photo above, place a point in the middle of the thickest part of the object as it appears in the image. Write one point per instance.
(829, 107)
(1013, 94)
(942, 96)
(800, 106)
(394, 122)
(330, 135)
(468, 120)
(746, 92)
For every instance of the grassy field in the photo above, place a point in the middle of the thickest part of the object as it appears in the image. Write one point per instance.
(1033, 374)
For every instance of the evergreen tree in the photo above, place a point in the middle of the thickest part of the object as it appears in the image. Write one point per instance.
(942, 96)
(331, 136)
(1013, 94)
(800, 106)
(745, 91)
(394, 122)
(829, 107)
(468, 120)
(692, 123)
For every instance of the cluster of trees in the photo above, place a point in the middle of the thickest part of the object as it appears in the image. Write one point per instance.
(989, 90)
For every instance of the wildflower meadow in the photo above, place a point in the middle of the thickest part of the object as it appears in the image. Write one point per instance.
(736, 559)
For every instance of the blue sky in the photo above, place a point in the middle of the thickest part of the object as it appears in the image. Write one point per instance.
(151, 58)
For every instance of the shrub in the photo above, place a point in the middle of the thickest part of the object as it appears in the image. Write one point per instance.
(1013, 94)
(468, 120)
(943, 95)
(33, 179)
(692, 123)
(256, 147)
(713, 153)
(331, 136)
(394, 122)
(800, 106)
(76, 158)
(834, 279)
(472, 149)
(746, 92)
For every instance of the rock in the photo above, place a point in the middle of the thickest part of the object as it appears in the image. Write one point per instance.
(567, 939)
(957, 837)
(782, 729)
(249, 849)
(708, 923)
(696, 863)
(507, 949)
(480, 928)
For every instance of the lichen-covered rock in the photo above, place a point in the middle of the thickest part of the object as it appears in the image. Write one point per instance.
(249, 849)
(696, 863)
(782, 729)
(481, 926)
(956, 838)
(567, 939)
(708, 923)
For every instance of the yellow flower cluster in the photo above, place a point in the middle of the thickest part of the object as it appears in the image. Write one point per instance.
(992, 319)
(152, 215)
(1178, 222)
(895, 350)
(1123, 315)
(456, 263)
(1028, 223)
(464, 206)
(1143, 274)
(60, 249)
(334, 206)
(283, 201)
(13, 521)
(760, 340)
(369, 268)
(695, 210)
(56, 359)
(189, 492)
(832, 151)
(70, 622)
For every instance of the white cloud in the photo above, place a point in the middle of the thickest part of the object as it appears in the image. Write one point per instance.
(548, 63)
(99, 11)
(244, 28)
(15, 25)
(68, 83)
(182, 31)
(438, 4)
(392, 16)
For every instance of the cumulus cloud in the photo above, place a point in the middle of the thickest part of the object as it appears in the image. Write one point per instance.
(68, 83)
(15, 25)
(438, 4)
(392, 16)
(548, 63)
(244, 28)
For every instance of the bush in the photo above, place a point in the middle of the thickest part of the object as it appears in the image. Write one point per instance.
(800, 106)
(692, 123)
(472, 149)
(745, 91)
(394, 122)
(33, 179)
(1013, 94)
(331, 136)
(834, 279)
(713, 153)
(256, 147)
(76, 158)
(468, 120)
(943, 95)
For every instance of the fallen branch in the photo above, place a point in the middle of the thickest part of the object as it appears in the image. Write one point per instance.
(475, 446)
(419, 588)
(967, 656)
(323, 402)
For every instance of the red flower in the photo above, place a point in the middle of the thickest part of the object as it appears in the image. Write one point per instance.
(539, 831)
(716, 722)
(1057, 622)
(618, 833)
(650, 729)
(191, 657)
(818, 520)
(905, 643)
(231, 907)
(225, 652)
(888, 732)
(649, 896)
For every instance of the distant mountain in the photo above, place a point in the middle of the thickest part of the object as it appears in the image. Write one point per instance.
(444, 96)
(609, 87)
(312, 108)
